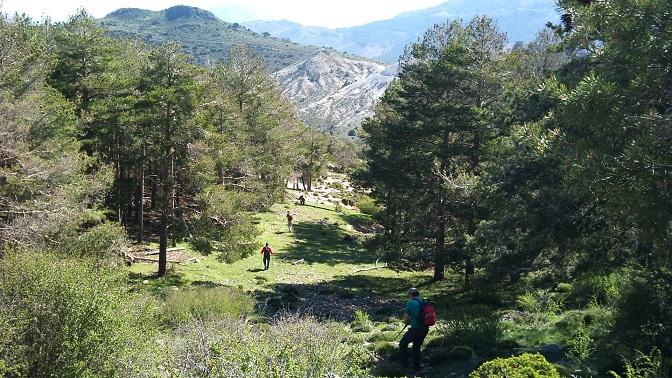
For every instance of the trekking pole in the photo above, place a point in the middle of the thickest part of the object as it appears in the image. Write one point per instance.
(402, 330)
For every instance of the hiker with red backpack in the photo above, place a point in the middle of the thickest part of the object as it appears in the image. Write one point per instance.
(267, 252)
(420, 315)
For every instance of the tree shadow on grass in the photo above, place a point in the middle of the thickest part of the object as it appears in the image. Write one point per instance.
(357, 219)
(156, 284)
(325, 244)
(317, 207)
(338, 299)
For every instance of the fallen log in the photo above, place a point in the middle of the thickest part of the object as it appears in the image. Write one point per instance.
(156, 251)
(146, 259)
(372, 268)
(189, 260)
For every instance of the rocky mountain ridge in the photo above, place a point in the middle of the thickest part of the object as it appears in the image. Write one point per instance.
(333, 92)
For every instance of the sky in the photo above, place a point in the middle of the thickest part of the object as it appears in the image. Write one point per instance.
(330, 13)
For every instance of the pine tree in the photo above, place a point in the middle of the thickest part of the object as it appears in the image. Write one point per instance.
(168, 97)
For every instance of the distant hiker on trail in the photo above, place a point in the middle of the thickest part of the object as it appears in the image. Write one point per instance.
(416, 334)
(302, 200)
(468, 272)
(267, 252)
(289, 221)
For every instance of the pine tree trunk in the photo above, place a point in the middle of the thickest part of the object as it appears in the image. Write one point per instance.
(173, 232)
(163, 244)
(118, 176)
(439, 258)
(153, 195)
(141, 199)
(165, 208)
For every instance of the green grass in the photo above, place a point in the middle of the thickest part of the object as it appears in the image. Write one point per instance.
(328, 242)
(323, 238)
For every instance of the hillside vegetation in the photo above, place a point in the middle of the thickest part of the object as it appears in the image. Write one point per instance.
(202, 35)
(526, 193)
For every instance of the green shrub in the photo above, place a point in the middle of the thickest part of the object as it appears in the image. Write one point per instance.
(205, 303)
(223, 225)
(106, 240)
(382, 348)
(643, 366)
(361, 322)
(643, 318)
(479, 332)
(460, 352)
(564, 287)
(384, 336)
(602, 290)
(529, 302)
(523, 366)
(541, 302)
(580, 346)
(72, 318)
(367, 205)
(336, 185)
(290, 346)
(360, 317)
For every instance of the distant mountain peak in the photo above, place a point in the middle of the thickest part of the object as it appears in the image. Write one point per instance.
(169, 14)
(385, 40)
(187, 12)
(129, 14)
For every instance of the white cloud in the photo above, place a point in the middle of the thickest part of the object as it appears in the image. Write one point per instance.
(331, 13)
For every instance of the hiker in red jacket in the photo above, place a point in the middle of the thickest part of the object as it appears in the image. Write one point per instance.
(267, 252)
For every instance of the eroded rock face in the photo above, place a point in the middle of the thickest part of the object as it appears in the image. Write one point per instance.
(335, 91)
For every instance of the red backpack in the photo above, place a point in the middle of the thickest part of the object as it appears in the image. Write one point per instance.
(427, 313)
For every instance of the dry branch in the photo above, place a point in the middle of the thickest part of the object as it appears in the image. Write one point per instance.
(371, 268)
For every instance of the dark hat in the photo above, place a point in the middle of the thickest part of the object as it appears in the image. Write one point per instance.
(413, 291)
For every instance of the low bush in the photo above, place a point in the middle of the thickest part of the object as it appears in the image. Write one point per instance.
(643, 316)
(382, 348)
(604, 290)
(523, 366)
(367, 205)
(384, 336)
(72, 318)
(290, 346)
(479, 332)
(460, 352)
(204, 303)
(104, 240)
(541, 302)
(643, 366)
(336, 185)
(361, 322)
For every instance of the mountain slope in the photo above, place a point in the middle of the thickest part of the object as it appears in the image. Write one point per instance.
(334, 91)
(202, 35)
(385, 40)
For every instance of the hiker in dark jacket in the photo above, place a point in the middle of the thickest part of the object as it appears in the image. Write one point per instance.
(418, 331)
(290, 218)
(267, 252)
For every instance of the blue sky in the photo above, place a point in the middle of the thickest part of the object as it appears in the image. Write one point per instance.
(331, 13)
